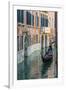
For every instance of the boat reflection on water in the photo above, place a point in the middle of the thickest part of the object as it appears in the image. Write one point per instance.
(26, 68)
(45, 67)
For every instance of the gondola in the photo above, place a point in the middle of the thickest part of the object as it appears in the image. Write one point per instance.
(48, 55)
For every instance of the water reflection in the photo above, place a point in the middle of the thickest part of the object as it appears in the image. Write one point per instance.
(23, 70)
(26, 68)
(44, 68)
(33, 68)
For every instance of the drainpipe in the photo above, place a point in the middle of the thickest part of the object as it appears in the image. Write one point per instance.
(56, 44)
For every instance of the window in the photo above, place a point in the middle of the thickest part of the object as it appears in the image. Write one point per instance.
(17, 43)
(21, 42)
(32, 20)
(33, 39)
(36, 38)
(44, 21)
(20, 16)
(29, 40)
(37, 20)
(28, 18)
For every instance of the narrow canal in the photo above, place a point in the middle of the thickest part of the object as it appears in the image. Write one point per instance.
(34, 68)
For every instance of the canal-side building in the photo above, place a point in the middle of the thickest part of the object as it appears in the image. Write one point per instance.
(37, 23)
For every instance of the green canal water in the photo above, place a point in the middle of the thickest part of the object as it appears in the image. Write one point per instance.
(33, 67)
